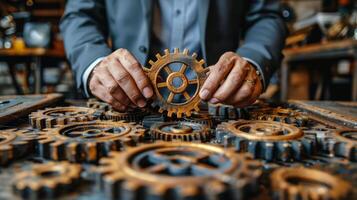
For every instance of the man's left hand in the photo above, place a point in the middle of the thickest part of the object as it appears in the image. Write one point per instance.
(232, 80)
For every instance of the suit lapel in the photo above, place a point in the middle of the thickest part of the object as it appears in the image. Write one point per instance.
(202, 17)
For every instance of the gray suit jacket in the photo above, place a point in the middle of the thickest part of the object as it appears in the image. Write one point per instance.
(87, 25)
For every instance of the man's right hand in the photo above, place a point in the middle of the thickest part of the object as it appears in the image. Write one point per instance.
(119, 80)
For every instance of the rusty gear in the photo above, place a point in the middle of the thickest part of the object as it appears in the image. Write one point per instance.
(50, 117)
(130, 116)
(161, 68)
(15, 143)
(47, 180)
(178, 171)
(267, 140)
(200, 118)
(98, 104)
(181, 131)
(279, 114)
(88, 141)
(307, 184)
(341, 143)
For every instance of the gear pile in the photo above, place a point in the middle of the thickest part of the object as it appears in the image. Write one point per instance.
(88, 141)
(179, 171)
(267, 140)
(51, 117)
(47, 181)
(177, 89)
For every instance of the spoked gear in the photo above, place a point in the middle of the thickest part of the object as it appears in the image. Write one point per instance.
(48, 180)
(179, 171)
(15, 143)
(98, 104)
(279, 114)
(267, 140)
(50, 117)
(307, 184)
(200, 118)
(130, 116)
(89, 141)
(181, 131)
(177, 83)
(341, 143)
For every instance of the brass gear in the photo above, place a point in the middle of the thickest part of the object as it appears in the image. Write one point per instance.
(201, 118)
(50, 117)
(16, 143)
(89, 141)
(47, 180)
(181, 131)
(178, 171)
(98, 104)
(130, 116)
(267, 140)
(341, 143)
(279, 114)
(307, 184)
(191, 101)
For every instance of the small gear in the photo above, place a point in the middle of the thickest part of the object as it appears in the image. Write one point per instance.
(267, 140)
(307, 184)
(50, 117)
(15, 143)
(279, 114)
(182, 131)
(88, 141)
(182, 170)
(200, 118)
(98, 104)
(341, 143)
(130, 116)
(225, 112)
(181, 86)
(47, 180)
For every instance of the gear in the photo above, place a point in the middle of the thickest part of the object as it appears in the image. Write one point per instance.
(89, 141)
(341, 143)
(279, 114)
(15, 143)
(47, 180)
(267, 140)
(177, 83)
(97, 104)
(307, 184)
(50, 117)
(224, 112)
(179, 171)
(130, 116)
(182, 131)
(201, 118)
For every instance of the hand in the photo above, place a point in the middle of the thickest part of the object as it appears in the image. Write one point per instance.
(119, 80)
(232, 80)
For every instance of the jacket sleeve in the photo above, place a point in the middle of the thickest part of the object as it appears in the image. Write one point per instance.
(84, 31)
(264, 37)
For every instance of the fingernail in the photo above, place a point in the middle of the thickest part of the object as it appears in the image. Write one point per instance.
(141, 103)
(214, 100)
(147, 92)
(204, 94)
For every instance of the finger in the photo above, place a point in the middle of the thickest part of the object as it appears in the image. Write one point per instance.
(126, 82)
(131, 65)
(112, 86)
(233, 82)
(254, 97)
(217, 73)
(100, 92)
(244, 93)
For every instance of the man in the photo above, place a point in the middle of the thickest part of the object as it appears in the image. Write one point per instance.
(138, 29)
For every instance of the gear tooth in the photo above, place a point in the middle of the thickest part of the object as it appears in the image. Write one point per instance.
(169, 113)
(167, 52)
(147, 69)
(176, 50)
(179, 115)
(161, 110)
(201, 62)
(185, 51)
(158, 56)
(194, 55)
(188, 113)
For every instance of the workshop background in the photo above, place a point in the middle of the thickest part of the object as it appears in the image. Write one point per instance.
(320, 54)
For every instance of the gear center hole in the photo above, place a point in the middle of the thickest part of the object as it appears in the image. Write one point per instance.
(49, 174)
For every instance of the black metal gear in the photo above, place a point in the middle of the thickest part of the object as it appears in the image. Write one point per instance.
(201, 118)
(47, 181)
(98, 104)
(307, 184)
(279, 114)
(267, 140)
(16, 143)
(180, 131)
(223, 112)
(130, 116)
(51, 117)
(89, 141)
(179, 171)
(341, 143)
